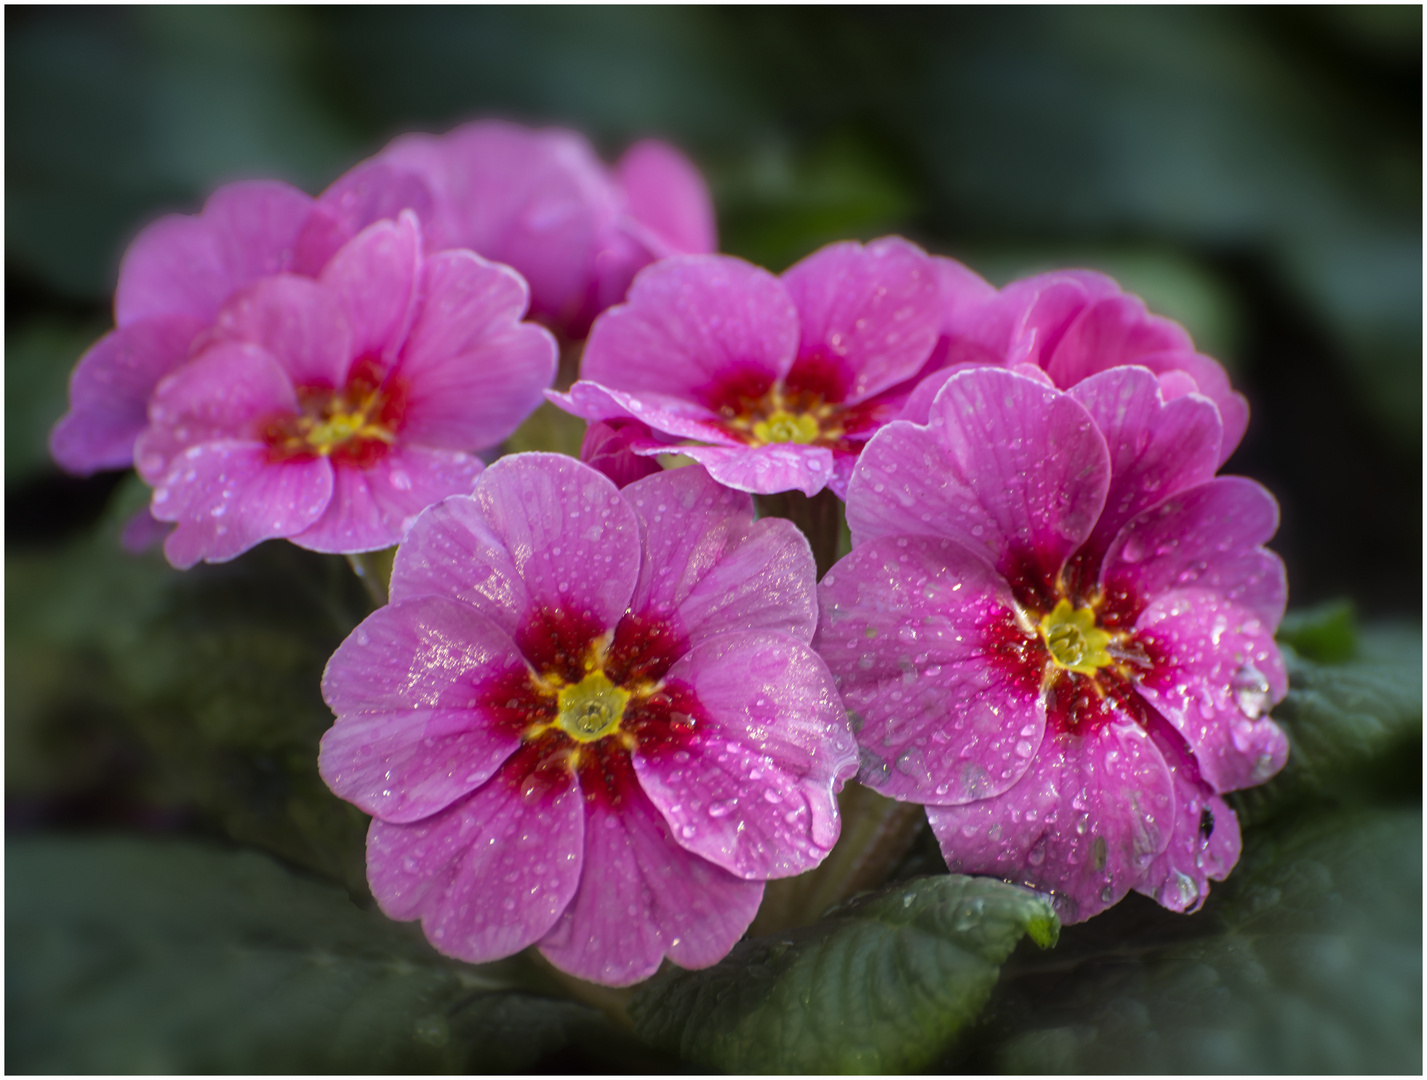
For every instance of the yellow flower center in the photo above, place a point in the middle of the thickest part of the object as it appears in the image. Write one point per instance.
(1074, 641)
(785, 427)
(326, 434)
(591, 708)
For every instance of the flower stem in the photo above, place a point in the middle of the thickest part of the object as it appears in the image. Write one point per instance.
(373, 569)
(877, 833)
(820, 518)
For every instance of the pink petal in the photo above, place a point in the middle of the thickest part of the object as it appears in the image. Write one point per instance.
(491, 873)
(473, 370)
(1156, 447)
(693, 324)
(667, 195)
(1211, 381)
(667, 415)
(374, 279)
(976, 324)
(226, 497)
(711, 567)
(1107, 333)
(1204, 843)
(184, 265)
(1216, 674)
(540, 530)
(609, 447)
(921, 636)
(227, 392)
(373, 507)
(1084, 823)
(1013, 470)
(643, 897)
(414, 729)
(369, 192)
(868, 316)
(298, 321)
(536, 200)
(756, 790)
(110, 389)
(764, 470)
(1205, 537)
(143, 531)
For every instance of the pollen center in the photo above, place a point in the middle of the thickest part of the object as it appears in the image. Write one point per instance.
(591, 708)
(1074, 641)
(357, 423)
(785, 427)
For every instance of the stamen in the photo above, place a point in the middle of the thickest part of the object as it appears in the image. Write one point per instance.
(1074, 641)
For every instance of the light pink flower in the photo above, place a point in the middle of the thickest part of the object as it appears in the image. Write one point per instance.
(331, 411)
(589, 720)
(1055, 629)
(542, 202)
(1071, 324)
(772, 384)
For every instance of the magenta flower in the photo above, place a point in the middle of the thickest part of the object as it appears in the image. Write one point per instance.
(1071, 324)
(608, 447)
(332, 411)
(1055, 629)
(541, 202)
(772, 384)
(174, 278)
(589, 720)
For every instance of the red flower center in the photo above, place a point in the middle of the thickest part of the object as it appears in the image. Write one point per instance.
(355, 425)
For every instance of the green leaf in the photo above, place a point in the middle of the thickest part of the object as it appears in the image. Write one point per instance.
(1308, 960)
(1327, 633)
(1354, 728)
(880, 986)
(167, 956)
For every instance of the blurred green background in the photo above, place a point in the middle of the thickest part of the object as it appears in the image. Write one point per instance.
(1254, 173)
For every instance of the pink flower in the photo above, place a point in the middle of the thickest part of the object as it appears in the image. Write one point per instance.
(772, 384)
(1055, 629)
(589, 720)
(174, 278)
(541, 202)
(1071, 324)
(331, 411)
(608, 447)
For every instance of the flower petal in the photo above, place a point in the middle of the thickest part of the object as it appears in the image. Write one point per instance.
(298, 321)
(372, 507)
(711, 566)
(643, 897)
(1205, 537)
(491, 873)
(540, 530)
(1204, 843)
(374, 278)
(1013, 470)
(667, 195)
(473, 370)
(371, 191)
(608, 446)
(1084, 823)
(227, 392)
(868, 316)
(921, 636)
(668, 415)
(1216, 674)
(691, 325)
(415, 730)
(764, 470)
(110, 389)
(1211, 381)
(755, 792)
(226, 496)
(183, 265)
(1157, 447)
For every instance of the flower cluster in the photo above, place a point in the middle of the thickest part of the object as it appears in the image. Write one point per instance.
(604, 704)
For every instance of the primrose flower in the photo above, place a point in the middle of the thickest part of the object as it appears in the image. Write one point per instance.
(589, 720)
(332, 411)
(772, 384)
(1071, 324)
(543, 203)
(1055, 629)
